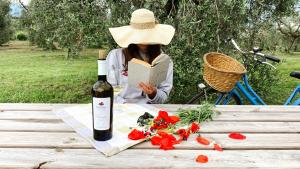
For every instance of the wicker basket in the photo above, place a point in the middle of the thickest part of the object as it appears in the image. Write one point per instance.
(222, 72)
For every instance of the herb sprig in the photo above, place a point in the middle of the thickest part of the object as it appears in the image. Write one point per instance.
(205, 112)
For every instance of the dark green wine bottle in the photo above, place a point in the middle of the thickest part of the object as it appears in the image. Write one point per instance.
(102, 93)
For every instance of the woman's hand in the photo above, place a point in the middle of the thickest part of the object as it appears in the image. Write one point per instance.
(148, 89)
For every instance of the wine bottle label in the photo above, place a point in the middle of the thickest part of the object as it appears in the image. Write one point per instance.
(101, 67)
(101, 113)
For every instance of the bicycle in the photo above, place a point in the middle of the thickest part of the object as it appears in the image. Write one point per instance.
(243, 88)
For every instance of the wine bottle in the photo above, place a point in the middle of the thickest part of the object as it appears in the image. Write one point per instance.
(102, 93)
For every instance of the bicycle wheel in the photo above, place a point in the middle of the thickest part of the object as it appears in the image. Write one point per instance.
(196, 98)
(237, 99)
(229, 99)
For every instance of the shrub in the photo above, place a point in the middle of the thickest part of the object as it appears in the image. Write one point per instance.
(22, 36)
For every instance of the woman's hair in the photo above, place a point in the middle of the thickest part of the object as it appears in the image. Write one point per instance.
(132, 51)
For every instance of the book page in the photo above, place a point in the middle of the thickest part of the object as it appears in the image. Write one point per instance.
(137, 73)
(160, 58)
(159, 71)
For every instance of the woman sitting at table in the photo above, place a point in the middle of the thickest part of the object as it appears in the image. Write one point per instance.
(142, 39)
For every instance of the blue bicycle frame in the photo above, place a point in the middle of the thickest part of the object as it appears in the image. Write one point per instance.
(251, 95)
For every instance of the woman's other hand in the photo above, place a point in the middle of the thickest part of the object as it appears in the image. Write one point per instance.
(148, 89)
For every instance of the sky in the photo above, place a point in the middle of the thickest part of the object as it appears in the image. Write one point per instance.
(25, 2)
(15, 8)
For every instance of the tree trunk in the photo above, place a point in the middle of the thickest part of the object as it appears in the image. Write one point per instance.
(291, 45)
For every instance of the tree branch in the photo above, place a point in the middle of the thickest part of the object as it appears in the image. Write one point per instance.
(24, 6)
(218, 28)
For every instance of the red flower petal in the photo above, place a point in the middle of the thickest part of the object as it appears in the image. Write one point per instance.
(155, 140)
(166, 144)
(237, 136)
(163, 114)
(162, 133)
(202, 159)
(136, 135)
(202, 140)
(194, 127)
(174, 119)
(217, 147)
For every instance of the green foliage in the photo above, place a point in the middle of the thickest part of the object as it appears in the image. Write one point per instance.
(201, 27)
(72, 24)
(22, 36)
(5, 31)
(50, 78)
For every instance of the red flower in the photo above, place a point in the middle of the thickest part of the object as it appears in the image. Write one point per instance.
(159, 125)
(162, 115)
(165, 140)
(136, 135)
(202, 159)
(155, 140)
(237, 136)
(174, 119)
(202, 140)
(163, 120)
(183, 134)
(218, 147)
(194, 127)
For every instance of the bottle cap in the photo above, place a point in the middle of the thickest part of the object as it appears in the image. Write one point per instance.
(102, 54)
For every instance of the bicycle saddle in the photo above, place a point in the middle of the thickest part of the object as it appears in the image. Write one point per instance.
(295, 74)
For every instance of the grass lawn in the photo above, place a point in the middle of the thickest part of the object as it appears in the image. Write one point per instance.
(29, 74)
(291, 62)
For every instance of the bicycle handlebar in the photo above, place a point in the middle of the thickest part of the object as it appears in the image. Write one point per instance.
(269, 57)
(272, 58)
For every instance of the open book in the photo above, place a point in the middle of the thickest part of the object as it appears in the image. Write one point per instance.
(155, 73)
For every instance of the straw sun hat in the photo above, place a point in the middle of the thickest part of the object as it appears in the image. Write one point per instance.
(143, 29)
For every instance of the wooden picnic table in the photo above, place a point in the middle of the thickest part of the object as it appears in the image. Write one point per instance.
(32, 136)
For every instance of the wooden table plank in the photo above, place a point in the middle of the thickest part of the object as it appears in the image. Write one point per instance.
(169, 107)
(251, 127)
(25, 107)
(73, 140)
(259, 116)
(35, 125)
(87, 159)
(234, 108)
(57, 125)
(27, 115)
(253, 141)
(42, 140)
(32, 106)
(225, 116)
(31, 136)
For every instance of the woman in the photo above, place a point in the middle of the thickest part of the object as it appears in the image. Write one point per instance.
(142, 39)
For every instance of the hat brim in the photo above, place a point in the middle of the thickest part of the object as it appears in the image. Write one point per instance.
(126, 35)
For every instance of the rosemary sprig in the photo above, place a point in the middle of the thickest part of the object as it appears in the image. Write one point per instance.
(205, 112)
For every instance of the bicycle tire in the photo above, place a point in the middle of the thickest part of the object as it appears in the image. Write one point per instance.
(233, 100)
(196, 98)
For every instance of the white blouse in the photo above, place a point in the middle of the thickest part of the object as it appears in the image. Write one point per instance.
(117, 77)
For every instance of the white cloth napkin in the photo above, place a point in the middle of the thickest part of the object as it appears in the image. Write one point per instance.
(124, 116)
